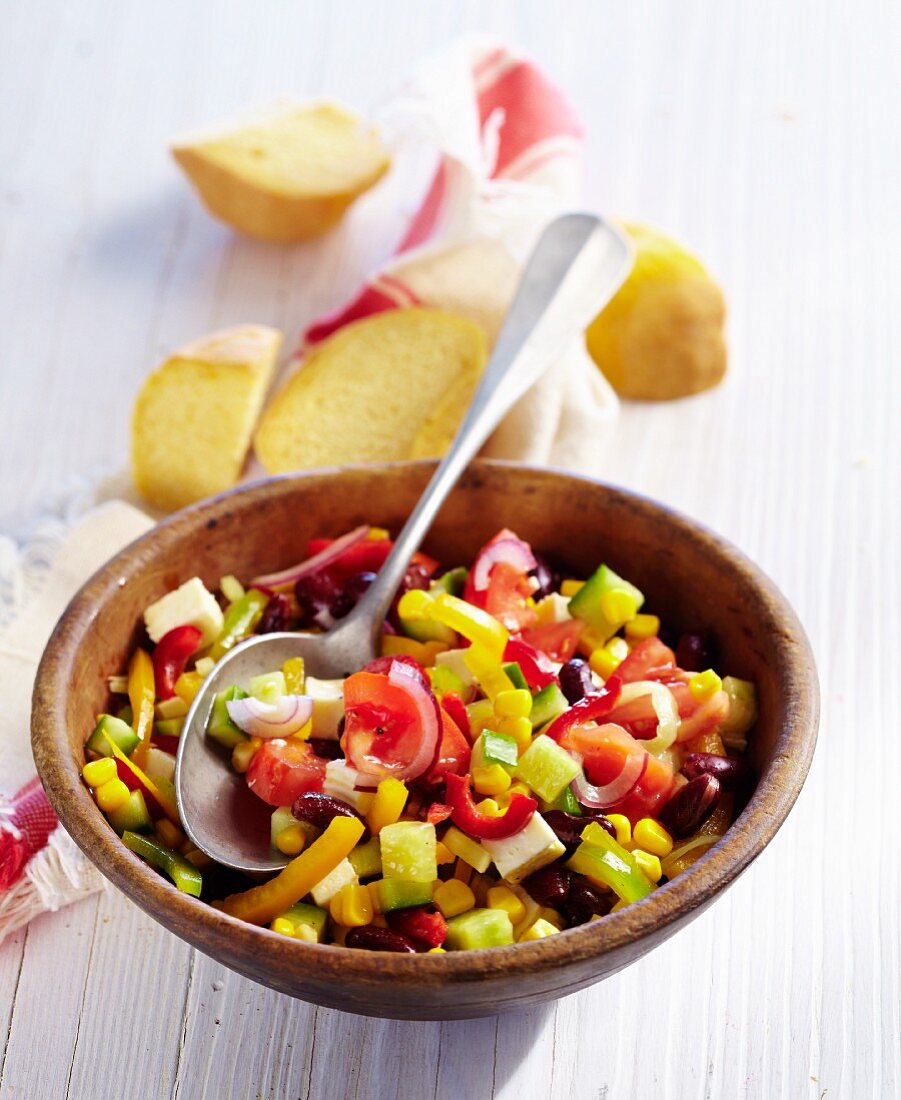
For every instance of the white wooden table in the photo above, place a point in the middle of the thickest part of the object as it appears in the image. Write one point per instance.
(764, 134)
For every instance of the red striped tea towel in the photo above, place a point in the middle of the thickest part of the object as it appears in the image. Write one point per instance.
(509, 149)
(40, 867)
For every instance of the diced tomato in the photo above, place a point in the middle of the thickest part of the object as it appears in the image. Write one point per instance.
(425, 926)
(453, 752)
(557, 640)
(282, 770)
(699, 717)
(648, 658)
(392, 721)
(651, 793)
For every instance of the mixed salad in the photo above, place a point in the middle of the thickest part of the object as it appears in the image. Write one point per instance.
(528, 753)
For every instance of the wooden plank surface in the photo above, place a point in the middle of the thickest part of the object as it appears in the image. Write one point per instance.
(766, 135)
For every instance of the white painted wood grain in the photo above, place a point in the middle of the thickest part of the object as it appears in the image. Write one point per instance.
(766, 136)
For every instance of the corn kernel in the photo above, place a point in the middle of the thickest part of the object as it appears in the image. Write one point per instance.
(538, 931)
(231, 588)
(443, 854)
(305, 932)
(372, 888)
(619, 905)
(187, 686)
(641, 627)
(453, 898)
(351, 906)
(376, 534)
(489, 808)
(623, 827)
(704, 684)
(518, 728)
(387, 806)
(502, 897)
(170, 835)
(652, 837)
(618, 606)
(589, 641)
(569, 588)
(99, 772)
(305, 732)
(198, 858)
(603, 662)
(295, 677)
(111, 795)
(513, 704)
(415, 604)
(291, 841)
(648, 865)
(436, 951)
(283, 926)
(490, 779)
(481, 716)
(242, 754)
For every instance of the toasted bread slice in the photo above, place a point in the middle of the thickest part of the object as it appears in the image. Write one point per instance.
(370, 392)
(286, 173)
(193, 418)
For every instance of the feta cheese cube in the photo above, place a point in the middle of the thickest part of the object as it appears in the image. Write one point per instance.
(328, 706)
(533, 847)
(190, 605)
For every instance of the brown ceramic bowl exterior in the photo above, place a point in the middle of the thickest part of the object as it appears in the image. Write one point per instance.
(690, 576)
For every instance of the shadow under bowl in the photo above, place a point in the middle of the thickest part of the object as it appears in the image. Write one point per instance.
(690, 577)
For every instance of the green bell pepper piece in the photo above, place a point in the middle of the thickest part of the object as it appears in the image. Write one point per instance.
(184, 874)
(220, 726)
(605, 862)
(240, 619)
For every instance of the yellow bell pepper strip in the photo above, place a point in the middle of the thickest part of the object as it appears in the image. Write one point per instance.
(239, 620)
(472, 622)
(141, 695)
(164, 798)
(183, 873)
(387, 806)
(263, 903)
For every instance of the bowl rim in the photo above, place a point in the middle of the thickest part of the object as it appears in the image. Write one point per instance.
(214, 931)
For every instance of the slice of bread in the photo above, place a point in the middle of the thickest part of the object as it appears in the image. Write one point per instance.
(370, 392)
(287, 172)
(195, 413)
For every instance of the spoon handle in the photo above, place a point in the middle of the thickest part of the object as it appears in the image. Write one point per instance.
(578, 264)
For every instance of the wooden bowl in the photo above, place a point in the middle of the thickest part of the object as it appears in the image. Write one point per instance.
(691, 578)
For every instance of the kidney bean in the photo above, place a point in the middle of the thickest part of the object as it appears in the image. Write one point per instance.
(691, 805)
(585, 901)
(276, 616)
(373, 938)
(315, 594)
(319, 809)
(328, 750)
(729, 770)
(549, 886)
(547, 577)
(575, 680)
(568, 827)
(695, 652)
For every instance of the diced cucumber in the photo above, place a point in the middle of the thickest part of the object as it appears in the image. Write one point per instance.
(427, 630)
(588, 603)
(117, 731)
(445, 680)
(132, 816)
(742, 706)
(409, 852)
(168, 727)
(398, 893)
(515, 673)
(547, 704)
(366, 859)
(546, 768)
(479, 928)
(220, 727)
(452, 582)
(310, 915)
(268, 687)
(494, 748)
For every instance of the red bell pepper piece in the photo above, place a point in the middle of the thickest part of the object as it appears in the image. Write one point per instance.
(456, 710)
(170, 657)
(438, 812)
(597, 704)
(466, 815)
(421, 925)
(535, 665)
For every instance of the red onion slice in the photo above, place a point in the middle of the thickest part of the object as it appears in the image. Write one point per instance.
(511, 550)
(602, 798)
(283, 718)
(324, 558)
(664, 705)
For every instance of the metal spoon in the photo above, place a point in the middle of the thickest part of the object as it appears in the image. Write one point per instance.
(577, 265)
